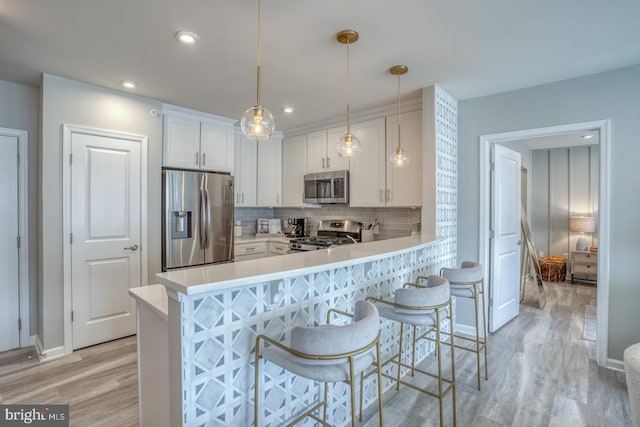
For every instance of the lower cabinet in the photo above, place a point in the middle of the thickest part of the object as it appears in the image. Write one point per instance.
(259, 249)
(277, 248)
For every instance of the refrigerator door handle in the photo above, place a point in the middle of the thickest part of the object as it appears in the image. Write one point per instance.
(202, 220)
(207, 230)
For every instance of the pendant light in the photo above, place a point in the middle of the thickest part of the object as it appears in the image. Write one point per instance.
(348, 146)
(257, 122)
(399, 159)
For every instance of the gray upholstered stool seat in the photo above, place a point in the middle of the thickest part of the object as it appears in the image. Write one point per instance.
(468, 282)
(632, 370)
(328, 353)
(425, 307)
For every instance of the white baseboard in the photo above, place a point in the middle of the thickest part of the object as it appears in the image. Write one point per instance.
(615, 365)
(48, 354)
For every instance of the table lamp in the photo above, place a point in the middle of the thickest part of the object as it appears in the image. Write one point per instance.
(582, 224)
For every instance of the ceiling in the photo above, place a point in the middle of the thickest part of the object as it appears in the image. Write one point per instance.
(471, 48)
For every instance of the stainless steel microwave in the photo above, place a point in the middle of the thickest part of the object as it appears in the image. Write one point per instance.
(327, 187)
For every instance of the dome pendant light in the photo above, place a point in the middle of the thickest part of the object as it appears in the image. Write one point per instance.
(257, 122)
(348, 146)
(399, 159)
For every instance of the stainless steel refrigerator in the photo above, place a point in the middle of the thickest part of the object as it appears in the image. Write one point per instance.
(197, 218)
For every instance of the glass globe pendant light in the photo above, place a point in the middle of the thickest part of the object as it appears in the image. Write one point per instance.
(399, 159)
(257, 122)
(349, 146)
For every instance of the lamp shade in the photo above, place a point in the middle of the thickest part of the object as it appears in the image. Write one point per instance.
(582, 224)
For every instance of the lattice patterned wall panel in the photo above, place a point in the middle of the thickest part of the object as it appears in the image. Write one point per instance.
(446, 129)
(220, 330)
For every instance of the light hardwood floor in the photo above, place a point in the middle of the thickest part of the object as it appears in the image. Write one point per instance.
(541, 373)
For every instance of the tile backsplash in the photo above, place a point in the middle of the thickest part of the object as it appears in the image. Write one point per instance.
(394, 222)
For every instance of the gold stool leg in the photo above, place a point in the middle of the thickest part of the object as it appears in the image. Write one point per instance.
(379, 368)
(352, 386)
(361, 393)
(400, 356)
(326, 396)
(439, 364)
(257, 381)
(475, 310)
(453, 364)
(413, 353)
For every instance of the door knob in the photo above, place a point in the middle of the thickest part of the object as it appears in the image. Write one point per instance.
(519, 242)
(133, 247)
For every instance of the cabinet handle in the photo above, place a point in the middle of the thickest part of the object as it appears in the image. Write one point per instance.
(388, 195)
(204, 158)
(197, 158)
(328, 162)
(381, 196)
(277, 198)
(323, 163)
(243, 198)
(237, 198)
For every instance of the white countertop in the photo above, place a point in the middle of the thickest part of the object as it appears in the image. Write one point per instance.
(196, 280)
(155, 296)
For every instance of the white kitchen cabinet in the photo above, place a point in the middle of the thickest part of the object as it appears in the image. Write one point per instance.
(197, 141)
(249, 250)
(294, 158)
(404, 185)
(246, 161)
(321, 151)
(270, 172)
(367, 171)
(277, 248)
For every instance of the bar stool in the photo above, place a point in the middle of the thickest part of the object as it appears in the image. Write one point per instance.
(328, 353)
(468, 282)
(422, 306)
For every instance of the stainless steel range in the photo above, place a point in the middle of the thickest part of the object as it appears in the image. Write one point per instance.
(331, 233)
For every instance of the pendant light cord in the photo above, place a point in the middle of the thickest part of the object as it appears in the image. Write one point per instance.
(399, 144)
(259, 28)
(348, 104)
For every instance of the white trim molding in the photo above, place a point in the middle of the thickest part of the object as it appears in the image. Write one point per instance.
(67, 132)
(22, 136)
(604, 129)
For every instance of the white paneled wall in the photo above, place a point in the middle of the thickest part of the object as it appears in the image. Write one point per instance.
(565, 183)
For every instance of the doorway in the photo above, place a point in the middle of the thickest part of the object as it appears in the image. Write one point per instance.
(104, 211)
(14, 251)
(603, 129)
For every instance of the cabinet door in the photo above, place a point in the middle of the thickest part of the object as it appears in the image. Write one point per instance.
(404, 184)
(216, 146)
(294, 156)
(246, 173)
(181, 148)
(367, 172)
(316, 151)
(269, 172)
(335, 162)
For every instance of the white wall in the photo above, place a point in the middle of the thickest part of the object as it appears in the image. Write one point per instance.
(19, 110)
(612, 95)
(72, 102)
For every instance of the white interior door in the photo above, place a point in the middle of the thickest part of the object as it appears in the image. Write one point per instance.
(106, 236)
(504, 302)
(9, 259)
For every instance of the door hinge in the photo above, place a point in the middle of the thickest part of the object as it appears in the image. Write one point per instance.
(18, 241)
(72, 316)
(71, 158)
(18, 160)
(492, 234)
(19, 324)
(70, 237)
(493, 166)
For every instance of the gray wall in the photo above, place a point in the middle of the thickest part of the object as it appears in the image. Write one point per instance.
(566, 184)
(19, 110)
(70, 102)
(612, 95)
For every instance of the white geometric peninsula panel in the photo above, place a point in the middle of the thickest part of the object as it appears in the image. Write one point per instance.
(219, 330)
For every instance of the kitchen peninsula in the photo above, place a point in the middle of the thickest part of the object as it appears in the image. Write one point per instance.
(215, 313)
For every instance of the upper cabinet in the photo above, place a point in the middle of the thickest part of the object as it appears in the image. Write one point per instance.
(367, 173)
(321, 151)
(270, 171)
(294, 162)
(258, 171)
(374, 180)
(194, 140)
(404, 184)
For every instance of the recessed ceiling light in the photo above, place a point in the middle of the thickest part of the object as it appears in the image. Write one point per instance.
(128, 84)
(587, 136)
(288, 110)
(187, 37)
